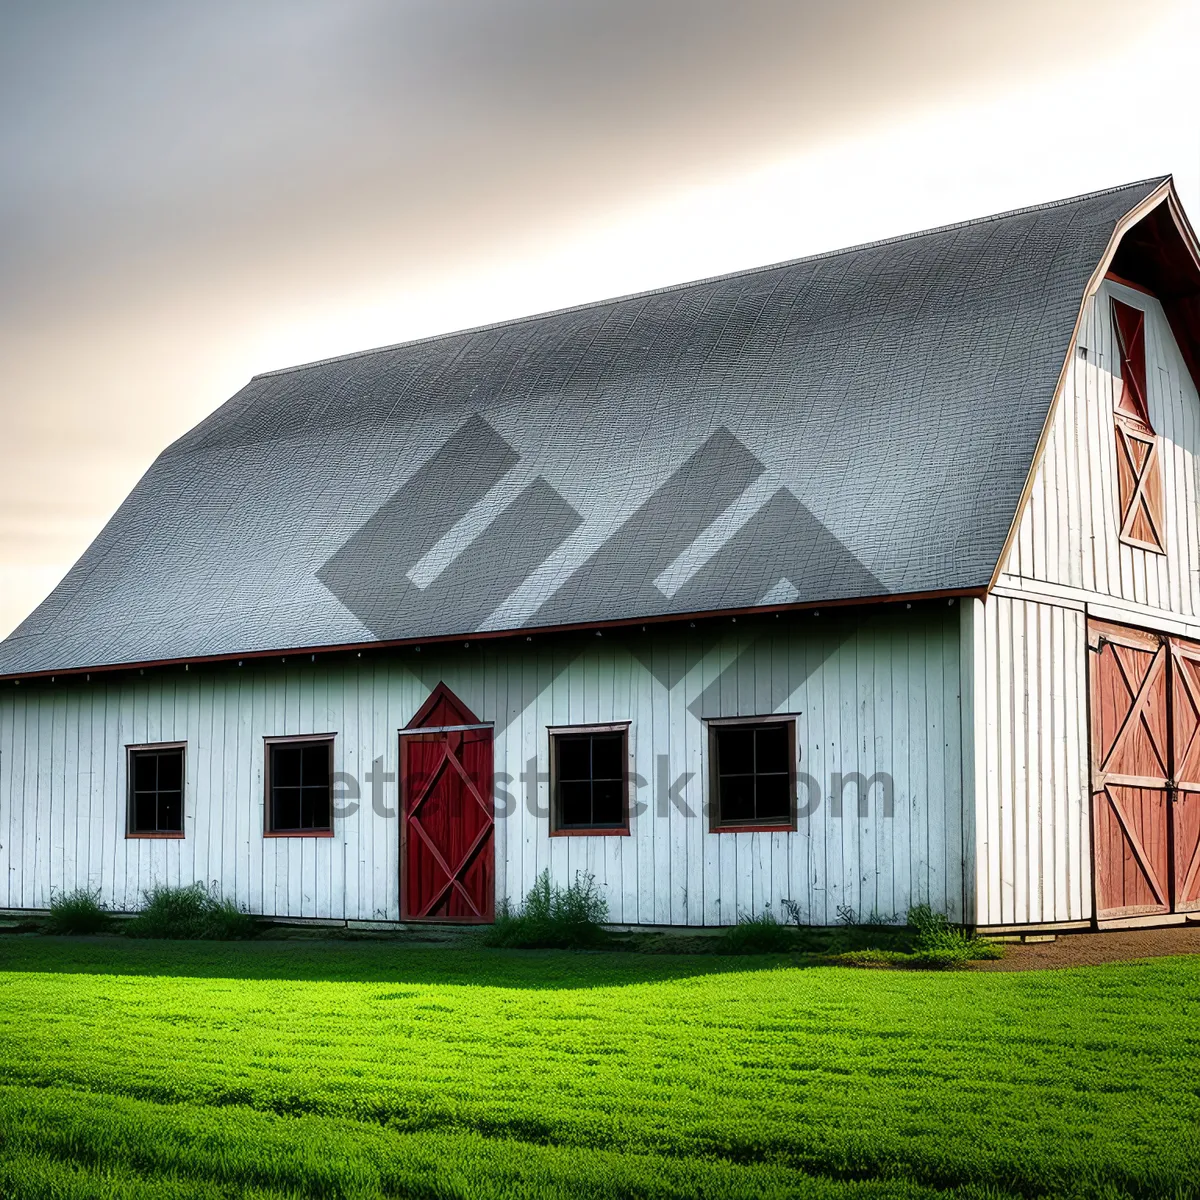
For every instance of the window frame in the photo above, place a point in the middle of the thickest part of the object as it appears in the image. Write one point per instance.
(327, 739)
(770, 825)
(557, 829)
(1146, 489)
(130, 804)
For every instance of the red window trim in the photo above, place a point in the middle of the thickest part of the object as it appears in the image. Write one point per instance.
(1129, 325)
(599, 727)
(715, 824)
(753, 829)
(169, 835)
(553, 733)
(583, 831)
(270, 740)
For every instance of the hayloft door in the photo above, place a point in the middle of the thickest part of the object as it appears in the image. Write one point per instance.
(1131, 773)
(1185, 800)
(447, 845)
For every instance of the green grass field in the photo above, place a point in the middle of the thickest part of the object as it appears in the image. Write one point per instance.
(134, 1069)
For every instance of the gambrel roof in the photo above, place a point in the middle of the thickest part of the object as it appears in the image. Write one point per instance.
(852, 425)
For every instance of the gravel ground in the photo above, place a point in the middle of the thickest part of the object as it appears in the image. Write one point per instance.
(1088, 949)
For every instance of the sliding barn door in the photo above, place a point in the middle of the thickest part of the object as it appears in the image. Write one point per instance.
(447, 847)
(1185, 806)
(1145, 771)
(1131, 772)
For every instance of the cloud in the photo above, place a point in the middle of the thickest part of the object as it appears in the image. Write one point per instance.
(196, 191)
(144, 139)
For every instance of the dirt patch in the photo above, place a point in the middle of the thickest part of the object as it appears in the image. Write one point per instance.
(1090, 949)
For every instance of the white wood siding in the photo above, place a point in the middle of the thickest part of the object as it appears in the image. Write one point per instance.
(1067, 544)
(1033, 848)
(1033, 856)
(875, 695)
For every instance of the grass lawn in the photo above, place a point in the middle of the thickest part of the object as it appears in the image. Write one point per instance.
(134, 1069)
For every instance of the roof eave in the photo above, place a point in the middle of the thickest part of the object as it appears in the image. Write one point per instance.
(949, 594)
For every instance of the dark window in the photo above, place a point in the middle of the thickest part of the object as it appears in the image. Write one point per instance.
(753, 773)
(299, 778)
(156, 790)
(588, 778)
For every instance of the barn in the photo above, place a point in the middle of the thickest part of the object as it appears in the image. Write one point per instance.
(826, 588)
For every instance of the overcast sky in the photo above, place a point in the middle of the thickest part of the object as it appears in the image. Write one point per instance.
(194, 192)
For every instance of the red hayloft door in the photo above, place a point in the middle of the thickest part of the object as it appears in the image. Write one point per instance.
(447, 848)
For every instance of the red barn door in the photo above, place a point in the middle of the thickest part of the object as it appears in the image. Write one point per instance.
(447, 850)
(1131, 771)
(1185, 806)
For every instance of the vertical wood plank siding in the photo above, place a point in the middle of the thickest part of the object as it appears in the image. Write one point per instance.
(879, 693)
(1068, 546)
(1033, 830)
(1033, 847)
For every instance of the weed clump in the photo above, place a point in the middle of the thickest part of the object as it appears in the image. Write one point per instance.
(761, 934)
(553, 917)
(77, 912)
(937, 943)
(191, 912)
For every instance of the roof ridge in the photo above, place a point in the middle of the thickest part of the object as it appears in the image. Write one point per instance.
(1158, 180)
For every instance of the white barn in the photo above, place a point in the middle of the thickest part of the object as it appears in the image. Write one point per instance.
(850, 583)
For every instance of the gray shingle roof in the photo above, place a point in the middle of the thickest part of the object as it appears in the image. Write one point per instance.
(851, 425)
